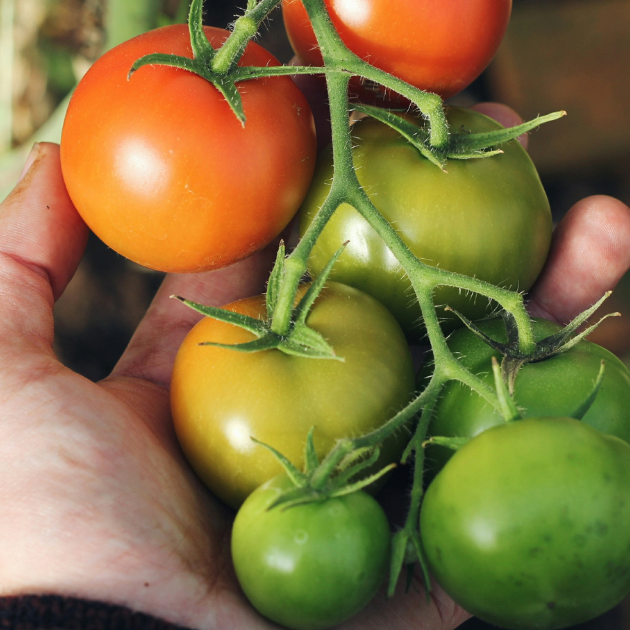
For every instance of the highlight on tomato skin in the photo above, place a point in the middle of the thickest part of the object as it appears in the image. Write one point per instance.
(435, 45)
(162, 171)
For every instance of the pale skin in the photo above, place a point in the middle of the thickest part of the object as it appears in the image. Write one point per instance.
(98, 501)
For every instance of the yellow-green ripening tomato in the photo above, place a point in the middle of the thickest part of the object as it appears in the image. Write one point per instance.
(222, 398)
(488, 218)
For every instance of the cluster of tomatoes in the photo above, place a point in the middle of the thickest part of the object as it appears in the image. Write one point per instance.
(527, 525)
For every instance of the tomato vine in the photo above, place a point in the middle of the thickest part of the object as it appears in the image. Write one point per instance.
(438, 145)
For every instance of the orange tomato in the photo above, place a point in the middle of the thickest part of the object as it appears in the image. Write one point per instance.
(163, 172)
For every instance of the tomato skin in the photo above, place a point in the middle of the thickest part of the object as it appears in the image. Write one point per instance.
(310, 566)
(221, 397)
(528, 525)
(434, 45)
(487, 218)
(554, 387)
(162, 171)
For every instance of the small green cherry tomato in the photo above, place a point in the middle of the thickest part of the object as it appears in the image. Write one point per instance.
(553, 387)
(221, 398)
(528, 525)
(313, 565)
(487, 218)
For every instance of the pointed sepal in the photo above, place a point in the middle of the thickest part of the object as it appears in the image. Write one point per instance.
(564, 339)
(583, 408)
(452, 443)
(364, 459)
(495, 345)
(311, 460)
(250, 324)
(270, 341)
(295, 475)
(162, 59)
(230, 92)
(399, 552)
(303, 308)
(306, 342)
(507, 406)
(470, 143)
(201, 47)
(416, 136)
(275, 281)
(361, 484)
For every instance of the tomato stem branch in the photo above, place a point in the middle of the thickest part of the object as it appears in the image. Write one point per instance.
(245, 28)
(336, 54)
(295, 265)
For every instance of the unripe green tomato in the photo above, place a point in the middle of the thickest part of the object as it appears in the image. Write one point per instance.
(528, 525)
(487, 218)
(311, 566)
(553, 387)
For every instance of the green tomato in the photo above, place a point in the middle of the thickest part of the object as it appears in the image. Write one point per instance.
(221, 398)
(487, 218)
(313, 565)
(553, 387)
(528, 525)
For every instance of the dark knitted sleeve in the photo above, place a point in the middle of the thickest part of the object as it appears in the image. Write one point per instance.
(52, 612)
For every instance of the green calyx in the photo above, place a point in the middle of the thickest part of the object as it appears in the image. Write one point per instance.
(514, 358)
(299, 339)
(337, 475)
(217, 66)
(461, 145)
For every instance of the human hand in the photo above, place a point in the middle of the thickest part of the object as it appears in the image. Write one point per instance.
(99, 502)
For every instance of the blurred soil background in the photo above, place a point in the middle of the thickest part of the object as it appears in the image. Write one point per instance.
(567, 54)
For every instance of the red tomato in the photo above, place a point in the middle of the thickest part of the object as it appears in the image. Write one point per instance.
(163, 172)
(436, 45)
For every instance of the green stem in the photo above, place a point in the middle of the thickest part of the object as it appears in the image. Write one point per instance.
(417, 488)
(343, 177)
(203, 51)
(424, 276)
(244, 29)
(245, 73)
(336, 54)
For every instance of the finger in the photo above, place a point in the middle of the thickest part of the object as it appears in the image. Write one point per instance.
(590, 252)
(42, 239)
(407, 607)
(151, 352)
(504, 115)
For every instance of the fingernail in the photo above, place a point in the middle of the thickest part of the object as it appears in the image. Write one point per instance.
(32, 156)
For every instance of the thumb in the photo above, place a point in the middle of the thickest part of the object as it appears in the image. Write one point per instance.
(42, 239)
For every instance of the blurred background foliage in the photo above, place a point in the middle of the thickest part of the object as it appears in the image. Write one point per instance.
(566, 54)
